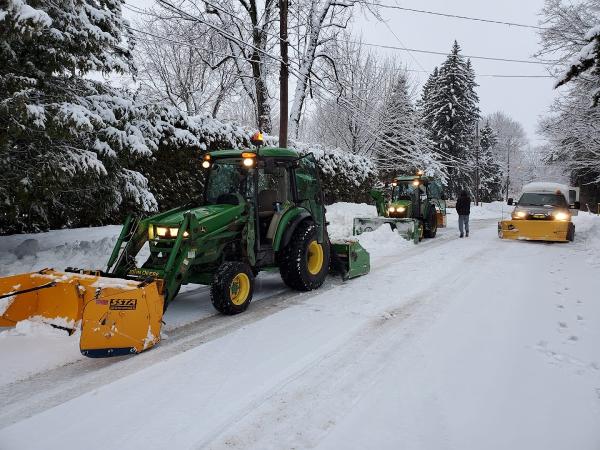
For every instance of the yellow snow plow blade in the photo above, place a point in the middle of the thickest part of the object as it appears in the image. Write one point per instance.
(534, 230)
(116, 316)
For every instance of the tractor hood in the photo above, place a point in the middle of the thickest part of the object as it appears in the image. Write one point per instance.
(210, 217)
(402, 208)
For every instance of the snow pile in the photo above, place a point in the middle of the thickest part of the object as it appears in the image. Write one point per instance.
(587, 231)
(341, 217)
(32, 346)
(79, 247)
(381, 242)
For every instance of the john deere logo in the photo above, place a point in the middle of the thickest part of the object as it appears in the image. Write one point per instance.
(122, 304)
(143, 272)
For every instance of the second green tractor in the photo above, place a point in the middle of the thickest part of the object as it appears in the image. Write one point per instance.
(412, 205)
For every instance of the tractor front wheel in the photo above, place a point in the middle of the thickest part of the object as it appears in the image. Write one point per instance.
(232, 288)
(304, 262)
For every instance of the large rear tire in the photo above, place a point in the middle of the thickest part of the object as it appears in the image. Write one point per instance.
(304, 262)
(431, 226)
(232, 288)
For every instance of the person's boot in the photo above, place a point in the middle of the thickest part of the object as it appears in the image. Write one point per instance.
(461, 235)
(467, 234)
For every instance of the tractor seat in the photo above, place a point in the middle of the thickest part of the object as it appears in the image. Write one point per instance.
(266, 198)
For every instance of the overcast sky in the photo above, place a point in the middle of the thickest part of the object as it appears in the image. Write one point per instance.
(524, 99)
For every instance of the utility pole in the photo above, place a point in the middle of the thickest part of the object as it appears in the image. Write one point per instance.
(477, 151)
(283, 74)
(507, 170)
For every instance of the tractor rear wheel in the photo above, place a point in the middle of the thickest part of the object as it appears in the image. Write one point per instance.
(431, 226)
(232, 288)
(304, 262)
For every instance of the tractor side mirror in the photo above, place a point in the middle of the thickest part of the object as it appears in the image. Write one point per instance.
(576, 205)
(510, 202)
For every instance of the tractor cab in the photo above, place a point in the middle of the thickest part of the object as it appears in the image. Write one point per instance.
(275, 185)
(414, 196)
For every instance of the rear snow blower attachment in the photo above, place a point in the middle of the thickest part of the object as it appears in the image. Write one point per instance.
(117, 316)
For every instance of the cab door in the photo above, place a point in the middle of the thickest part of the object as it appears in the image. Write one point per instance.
(308, 191)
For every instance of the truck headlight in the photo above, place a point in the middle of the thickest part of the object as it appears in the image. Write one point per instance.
(561, 216)
(391, 209)
(519, 215)
(400, 209)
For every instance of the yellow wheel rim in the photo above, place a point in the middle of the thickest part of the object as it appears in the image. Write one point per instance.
(239, 289)
(315, 257)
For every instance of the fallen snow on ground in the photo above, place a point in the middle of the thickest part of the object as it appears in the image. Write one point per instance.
(463, 344)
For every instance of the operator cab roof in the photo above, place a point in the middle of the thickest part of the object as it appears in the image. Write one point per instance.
(267, 152)
(402, 178)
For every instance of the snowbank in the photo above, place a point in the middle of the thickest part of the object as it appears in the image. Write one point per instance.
(79, 247)
(379, 243)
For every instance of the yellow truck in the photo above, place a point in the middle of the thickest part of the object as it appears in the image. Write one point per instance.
(542, 213)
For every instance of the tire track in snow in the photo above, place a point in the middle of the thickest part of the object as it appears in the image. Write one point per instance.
(329, 386)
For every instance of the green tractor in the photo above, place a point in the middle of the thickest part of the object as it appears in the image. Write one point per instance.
(413, 205)
(262, 210)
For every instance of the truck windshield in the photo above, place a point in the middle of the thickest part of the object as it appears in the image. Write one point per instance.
(535, 199)
(404, 191)
(225, 179)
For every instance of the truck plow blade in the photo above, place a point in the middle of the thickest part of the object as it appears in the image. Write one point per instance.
(407, 228)
(534, 230)
(117, 316)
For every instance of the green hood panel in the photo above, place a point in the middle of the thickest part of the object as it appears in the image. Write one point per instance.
(212, 216)
(405, 203)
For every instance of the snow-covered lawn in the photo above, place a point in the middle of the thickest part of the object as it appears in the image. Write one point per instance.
(454, 343)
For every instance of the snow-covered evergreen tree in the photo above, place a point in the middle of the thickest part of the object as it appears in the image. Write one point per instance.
(490, 170)
(450, 113)
(69, 145)
(399, 140)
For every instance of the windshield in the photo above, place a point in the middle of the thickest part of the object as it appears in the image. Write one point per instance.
(224, 179)
(534, 199)
(404, 191)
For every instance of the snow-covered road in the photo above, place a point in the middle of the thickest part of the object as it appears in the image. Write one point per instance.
(452, 344)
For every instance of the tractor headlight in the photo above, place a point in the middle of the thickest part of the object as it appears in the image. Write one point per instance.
(563, 216)
(206, 164)
(391, 209)
(519, 215)
(170, 232)
(248, 162)
(400, 209)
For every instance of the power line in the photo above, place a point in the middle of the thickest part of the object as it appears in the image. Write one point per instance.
(456, 16)
(489, 58)
(407, 49)
(223, 54)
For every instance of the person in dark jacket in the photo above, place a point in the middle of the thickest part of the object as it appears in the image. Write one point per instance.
(463, 208)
